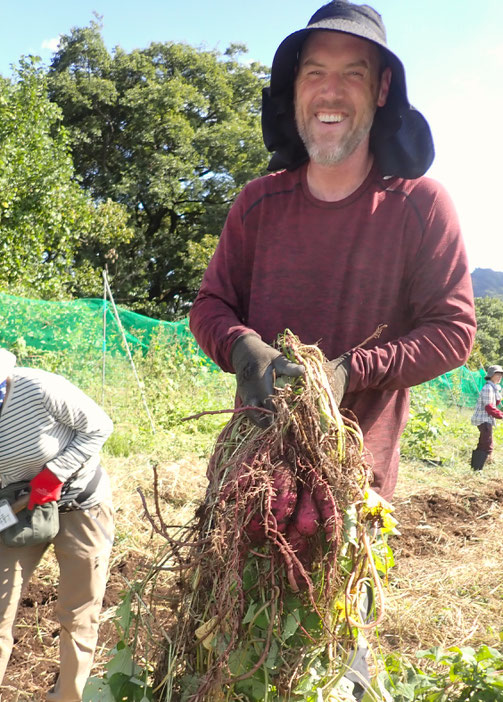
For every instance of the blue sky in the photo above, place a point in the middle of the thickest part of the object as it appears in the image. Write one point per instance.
(452, 51)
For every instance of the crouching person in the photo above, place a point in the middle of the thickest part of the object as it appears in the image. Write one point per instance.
(51, 434)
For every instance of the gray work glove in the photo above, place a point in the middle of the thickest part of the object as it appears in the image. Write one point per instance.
(257, 365)
(338, 375)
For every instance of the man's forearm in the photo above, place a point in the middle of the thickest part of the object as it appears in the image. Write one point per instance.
(425, 353)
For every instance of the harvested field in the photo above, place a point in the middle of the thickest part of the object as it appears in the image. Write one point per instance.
(445, 589)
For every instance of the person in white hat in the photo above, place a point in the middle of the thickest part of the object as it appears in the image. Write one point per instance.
(485, 415)
(51, 434)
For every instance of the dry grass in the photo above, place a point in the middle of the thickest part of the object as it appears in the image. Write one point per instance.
(446, 588)
(181, 486)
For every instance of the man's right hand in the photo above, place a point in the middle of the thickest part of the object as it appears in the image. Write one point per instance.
(257, 365)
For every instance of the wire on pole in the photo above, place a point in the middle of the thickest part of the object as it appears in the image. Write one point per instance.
(126, 346)
(103, 365)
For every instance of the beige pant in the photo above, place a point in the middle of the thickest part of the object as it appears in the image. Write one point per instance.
(82, 548)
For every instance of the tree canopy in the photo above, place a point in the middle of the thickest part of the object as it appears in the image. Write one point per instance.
(488, 347)
(46, 219)
(170, 132)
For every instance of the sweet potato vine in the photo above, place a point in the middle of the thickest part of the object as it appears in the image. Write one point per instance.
(274, 569)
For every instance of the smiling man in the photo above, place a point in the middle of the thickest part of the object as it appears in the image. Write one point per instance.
(346, 234)
(338, 88)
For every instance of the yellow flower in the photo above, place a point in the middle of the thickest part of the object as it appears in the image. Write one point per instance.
(376, 507)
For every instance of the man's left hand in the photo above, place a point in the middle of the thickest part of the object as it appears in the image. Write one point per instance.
(338, 375)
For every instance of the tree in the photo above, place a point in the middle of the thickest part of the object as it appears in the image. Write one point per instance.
(46, 219)
(489, 338)
(172, 133)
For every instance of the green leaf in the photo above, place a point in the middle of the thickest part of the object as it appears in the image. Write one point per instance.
(126, 689)
(312, 623)
(272, 657)
(262, 620)
(97, 690)
(485, 653)
(241, 660)
(123, 612)
(122, 662)
(254, 689)
(292, 603)
(249, 574)
(350, 529)
(291, 625)
(250, 613)
(189, 685)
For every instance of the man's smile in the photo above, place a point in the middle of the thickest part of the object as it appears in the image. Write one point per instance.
(329, 117)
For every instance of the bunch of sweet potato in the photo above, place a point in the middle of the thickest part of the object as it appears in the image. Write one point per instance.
(289, 506)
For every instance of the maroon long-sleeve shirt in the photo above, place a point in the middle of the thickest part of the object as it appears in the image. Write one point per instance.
(391, 253)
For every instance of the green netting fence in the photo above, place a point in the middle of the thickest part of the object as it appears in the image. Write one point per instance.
(84, 326)
(88, 328)
(459, 387)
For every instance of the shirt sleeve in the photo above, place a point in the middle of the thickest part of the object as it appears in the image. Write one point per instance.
(71, 407)
(440, 298)
(216, 317)
(494, 411)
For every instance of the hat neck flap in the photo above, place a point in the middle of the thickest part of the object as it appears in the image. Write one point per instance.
(400, 138)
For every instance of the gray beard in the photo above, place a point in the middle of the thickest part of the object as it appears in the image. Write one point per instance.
(332, 154)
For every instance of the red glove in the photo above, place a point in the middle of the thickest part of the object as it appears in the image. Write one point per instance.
(493, 412)
(45, 487)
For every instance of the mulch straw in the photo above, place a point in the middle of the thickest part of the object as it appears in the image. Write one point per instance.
(270, 601)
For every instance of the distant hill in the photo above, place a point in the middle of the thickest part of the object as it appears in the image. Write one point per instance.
(487, 283)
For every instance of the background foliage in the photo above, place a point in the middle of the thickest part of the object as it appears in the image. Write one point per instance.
(170, 132)
(488, 348)
(46, 218)
(130, 161)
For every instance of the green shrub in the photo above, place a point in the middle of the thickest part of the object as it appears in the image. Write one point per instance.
(426, 424)
(455, 675)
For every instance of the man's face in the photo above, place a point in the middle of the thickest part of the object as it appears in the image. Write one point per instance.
(337, 91)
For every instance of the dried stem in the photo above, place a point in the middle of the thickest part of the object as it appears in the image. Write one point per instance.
(241, 547)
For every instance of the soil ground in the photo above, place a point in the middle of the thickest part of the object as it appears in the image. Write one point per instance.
(33, 665)
(441, 530)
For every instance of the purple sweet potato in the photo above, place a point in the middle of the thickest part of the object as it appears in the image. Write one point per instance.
(327, 509)
(285, 493)
(254, 529)
(238, 481)
(283, 497)
(302, 549)
(307, 516)
(299, 543)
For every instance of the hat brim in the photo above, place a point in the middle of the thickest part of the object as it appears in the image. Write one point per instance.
(287, 55)
(492, 370)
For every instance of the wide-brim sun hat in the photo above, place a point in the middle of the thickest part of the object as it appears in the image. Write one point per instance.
(7, 364)
(492, 370)
(400, 138)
